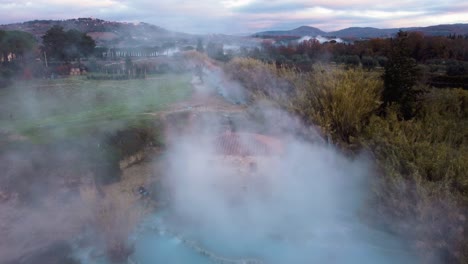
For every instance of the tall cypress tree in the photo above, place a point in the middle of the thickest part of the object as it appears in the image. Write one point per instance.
(400, 77)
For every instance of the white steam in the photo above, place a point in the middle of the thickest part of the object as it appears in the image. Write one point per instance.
(319, 39)
(300, 204)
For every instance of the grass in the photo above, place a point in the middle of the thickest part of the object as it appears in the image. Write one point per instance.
(63, 107)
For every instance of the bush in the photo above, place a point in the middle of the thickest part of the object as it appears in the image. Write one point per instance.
(349, 60)
(130, 141)
(339, 101)
(425, 164)
(445, 81)
(263, 79)
(368, 63)
(457, 68)
(382, 61)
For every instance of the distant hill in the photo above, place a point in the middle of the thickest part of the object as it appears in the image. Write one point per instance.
(121, 34)
(300, 31)
(367, 32)
(363, 32)
(104, 32)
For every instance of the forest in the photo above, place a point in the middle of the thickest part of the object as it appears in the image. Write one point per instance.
(442, 60)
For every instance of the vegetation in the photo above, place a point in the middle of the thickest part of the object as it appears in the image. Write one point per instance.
(15, 44)
(370, 99)
(68, 45)
(51, 109)
(114, 216)
(441, 59)
(333, 98)
(400, 77)
(422, 48)
(423, 160)
(14, 47)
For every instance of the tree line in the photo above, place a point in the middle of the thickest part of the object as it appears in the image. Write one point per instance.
(19, 50)
(442, 61)
(424, 49)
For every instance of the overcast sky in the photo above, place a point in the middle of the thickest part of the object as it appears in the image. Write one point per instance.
(244, 16)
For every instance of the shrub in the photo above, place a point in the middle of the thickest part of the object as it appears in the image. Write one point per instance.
(382, 61)
(263, 79)
(368, 63)
(425, 164)
(352, 60)
(339, 101)
(457, 68)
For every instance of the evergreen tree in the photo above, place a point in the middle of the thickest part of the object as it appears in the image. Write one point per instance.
(400, 77)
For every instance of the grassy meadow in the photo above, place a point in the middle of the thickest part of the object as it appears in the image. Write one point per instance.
(41, 109)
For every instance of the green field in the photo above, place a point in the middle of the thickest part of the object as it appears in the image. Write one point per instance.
(64, 107)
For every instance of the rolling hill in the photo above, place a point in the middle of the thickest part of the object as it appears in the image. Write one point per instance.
(104, 32)
(300, 31)
(366, 32)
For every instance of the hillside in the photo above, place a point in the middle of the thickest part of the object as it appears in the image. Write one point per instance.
(104, 32)
(367, 32)
(300, 31)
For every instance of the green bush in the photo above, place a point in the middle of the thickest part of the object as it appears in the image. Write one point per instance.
(339, 101)
(425, 172)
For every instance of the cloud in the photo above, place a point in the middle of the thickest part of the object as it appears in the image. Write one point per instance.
(234, 16)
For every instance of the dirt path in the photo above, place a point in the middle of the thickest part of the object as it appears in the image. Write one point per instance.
(203, 99)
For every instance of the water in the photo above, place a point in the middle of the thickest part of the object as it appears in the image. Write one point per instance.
(154, 243)
(302, 207)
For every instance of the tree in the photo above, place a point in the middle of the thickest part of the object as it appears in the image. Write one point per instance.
(216, 51)
(16, 43)
(400, 77)
(167, 46)
(200, 46)
(128, 66)
(69, 45)
(54, 42)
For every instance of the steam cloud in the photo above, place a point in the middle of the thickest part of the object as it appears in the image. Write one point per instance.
(298, 205)
(319, 39)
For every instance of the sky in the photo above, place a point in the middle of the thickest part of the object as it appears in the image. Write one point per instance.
(245, 16)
